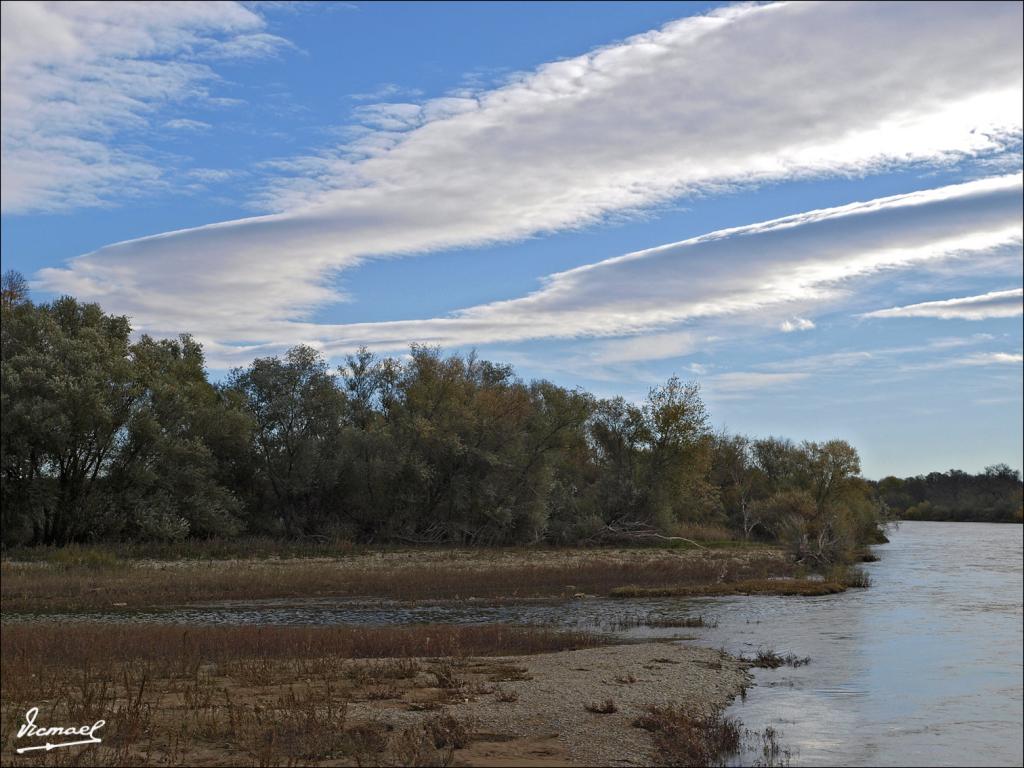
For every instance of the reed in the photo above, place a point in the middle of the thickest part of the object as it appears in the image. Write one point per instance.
(256, 695)
(93, 585)
(682, 738)
(784, 587)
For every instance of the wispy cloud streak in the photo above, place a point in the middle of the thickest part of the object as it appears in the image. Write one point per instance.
(747, 274)
(986, 306)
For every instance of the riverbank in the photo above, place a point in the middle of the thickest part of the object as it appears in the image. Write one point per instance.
(219, 662)
(244, 695)
(69, 585)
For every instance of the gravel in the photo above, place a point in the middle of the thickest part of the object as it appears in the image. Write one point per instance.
(553, 702)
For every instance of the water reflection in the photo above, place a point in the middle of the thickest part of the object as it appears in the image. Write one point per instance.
(924, 668)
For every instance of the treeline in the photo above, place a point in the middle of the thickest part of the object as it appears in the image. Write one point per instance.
(993, 496)
(108, 439)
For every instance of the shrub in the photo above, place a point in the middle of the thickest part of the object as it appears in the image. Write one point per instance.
(605, 707)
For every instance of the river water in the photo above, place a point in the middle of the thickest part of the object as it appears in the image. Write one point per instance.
(923, 668)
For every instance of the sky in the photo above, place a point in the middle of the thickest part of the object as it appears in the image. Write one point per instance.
(812, 209)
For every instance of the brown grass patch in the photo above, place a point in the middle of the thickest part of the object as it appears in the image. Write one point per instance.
(684, 739)
(417, 575)
(253, 696)
(785, 587)
(447, 731)
(182, 648)
(769, 659)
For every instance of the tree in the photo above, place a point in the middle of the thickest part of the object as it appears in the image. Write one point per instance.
(831, 466)
(737, 478)
(788, 515)
(166, 482)
(68, 397)
(678, 460)
(467, 469)
(993, 496)
(653, 459)
(297, 413)
(782, 462)
(105, 438)
(13, 288)
(618, 435)
(558, 458)
(844, 514)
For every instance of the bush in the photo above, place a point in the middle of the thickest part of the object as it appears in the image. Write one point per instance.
(684, 739)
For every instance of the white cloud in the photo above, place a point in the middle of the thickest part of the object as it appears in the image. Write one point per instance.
(747, 272)
(791, 324)
(1008, 357)
(975, 360)
(882, 360)
(873, 366)
(386, 91)
(740, 275)
(987, 305)
(75, 76)
(256, 45)
(991, 358)
(186, 124)
(654, 346)
(212, 175)
(745, 382)
(746, 94)
(390, 117)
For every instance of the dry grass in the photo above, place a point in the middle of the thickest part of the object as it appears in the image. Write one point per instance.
(769, 659)
(705, 533)
(804, 587)
(849, 576)
(245, 547)
(606, 707)
(183, 648)
(683, 739)
(254, 696)
(447, 731)
(621, 623)
(75, 585)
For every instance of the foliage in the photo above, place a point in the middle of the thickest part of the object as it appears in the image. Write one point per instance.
(106, 438)
(993, 496)
(102, 438)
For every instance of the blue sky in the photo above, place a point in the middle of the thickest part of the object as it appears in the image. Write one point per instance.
(822, 202)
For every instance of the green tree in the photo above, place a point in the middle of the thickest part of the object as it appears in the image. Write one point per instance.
(166, 481)
(783, 463)
(831, 466)
(297, 411)
(68, 398)
(679, 456)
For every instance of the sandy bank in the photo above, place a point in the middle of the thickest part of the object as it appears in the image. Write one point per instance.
(548, 723)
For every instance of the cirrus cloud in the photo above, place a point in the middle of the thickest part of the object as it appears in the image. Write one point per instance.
(75, 76)
(987, 305)
(744, 274)
(742, 95)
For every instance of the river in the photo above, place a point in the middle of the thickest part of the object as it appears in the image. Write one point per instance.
(923, 668)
